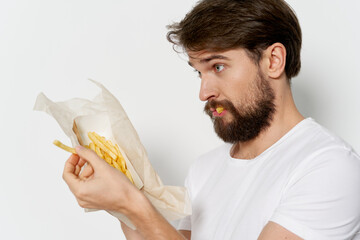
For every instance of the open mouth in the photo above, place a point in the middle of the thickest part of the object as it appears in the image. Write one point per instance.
(218, 112)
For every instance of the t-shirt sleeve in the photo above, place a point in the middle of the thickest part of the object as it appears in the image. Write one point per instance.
(322, 200)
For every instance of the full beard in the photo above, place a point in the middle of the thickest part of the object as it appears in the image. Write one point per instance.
(247, 122)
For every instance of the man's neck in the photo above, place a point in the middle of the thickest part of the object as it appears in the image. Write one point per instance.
(284, 119)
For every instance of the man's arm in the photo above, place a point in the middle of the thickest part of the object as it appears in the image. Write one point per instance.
(106, 188)
(131, 234)
(273, 231)
(186, 234)
(150, 223)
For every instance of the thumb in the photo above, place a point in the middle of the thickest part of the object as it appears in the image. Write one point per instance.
(90, 156)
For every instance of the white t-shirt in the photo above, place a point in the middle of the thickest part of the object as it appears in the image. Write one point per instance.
(308, 182)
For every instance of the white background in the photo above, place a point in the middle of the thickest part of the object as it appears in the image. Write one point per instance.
(54, 46)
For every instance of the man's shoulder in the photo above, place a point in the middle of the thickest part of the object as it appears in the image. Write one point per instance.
(319, 148)
(314, 139)
(329, 142)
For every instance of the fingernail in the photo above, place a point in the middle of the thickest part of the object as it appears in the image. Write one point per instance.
(79, 148)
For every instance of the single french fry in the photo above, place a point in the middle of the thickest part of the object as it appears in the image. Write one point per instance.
(110, 145)
(117, 150)
(122, 163)
(219, 109)
(108, 159)
(98, 152)
(92, 146)
(116, 165)
(64, 147)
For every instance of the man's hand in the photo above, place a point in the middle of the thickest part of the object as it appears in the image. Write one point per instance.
(99, 186)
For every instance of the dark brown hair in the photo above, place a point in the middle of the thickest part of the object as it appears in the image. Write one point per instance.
(219, 25)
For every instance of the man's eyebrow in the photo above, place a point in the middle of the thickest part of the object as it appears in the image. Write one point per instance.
(212, 57)
(208, 59)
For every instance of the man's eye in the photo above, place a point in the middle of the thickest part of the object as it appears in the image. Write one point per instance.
(219, 67)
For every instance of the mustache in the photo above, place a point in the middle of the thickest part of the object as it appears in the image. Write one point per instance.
(226, 104)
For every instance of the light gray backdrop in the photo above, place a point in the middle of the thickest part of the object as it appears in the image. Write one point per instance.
(54, 46)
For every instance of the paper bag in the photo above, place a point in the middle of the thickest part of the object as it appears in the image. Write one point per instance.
(106, 116)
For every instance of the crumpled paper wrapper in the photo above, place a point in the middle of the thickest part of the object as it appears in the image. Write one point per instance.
(105, 116)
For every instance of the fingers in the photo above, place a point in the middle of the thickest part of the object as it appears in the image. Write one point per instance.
(69, 174)
(87, 172)
(80, 164)
(77, 170)
(89, 156)
(71, 163)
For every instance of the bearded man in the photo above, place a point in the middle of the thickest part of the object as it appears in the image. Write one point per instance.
(278, 175)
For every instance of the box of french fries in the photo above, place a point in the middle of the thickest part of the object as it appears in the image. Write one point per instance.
(103, 126)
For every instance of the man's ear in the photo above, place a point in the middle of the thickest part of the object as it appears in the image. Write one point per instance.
(274, 60)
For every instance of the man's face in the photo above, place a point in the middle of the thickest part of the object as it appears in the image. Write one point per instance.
(232, 81)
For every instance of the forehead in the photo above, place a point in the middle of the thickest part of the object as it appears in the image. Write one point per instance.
(205, 56)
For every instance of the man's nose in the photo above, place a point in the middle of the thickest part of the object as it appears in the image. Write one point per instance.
(208, 89)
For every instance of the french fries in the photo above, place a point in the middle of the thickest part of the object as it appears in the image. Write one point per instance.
(109, 152)
(219, 109)
(106, 150)
(64, 147)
